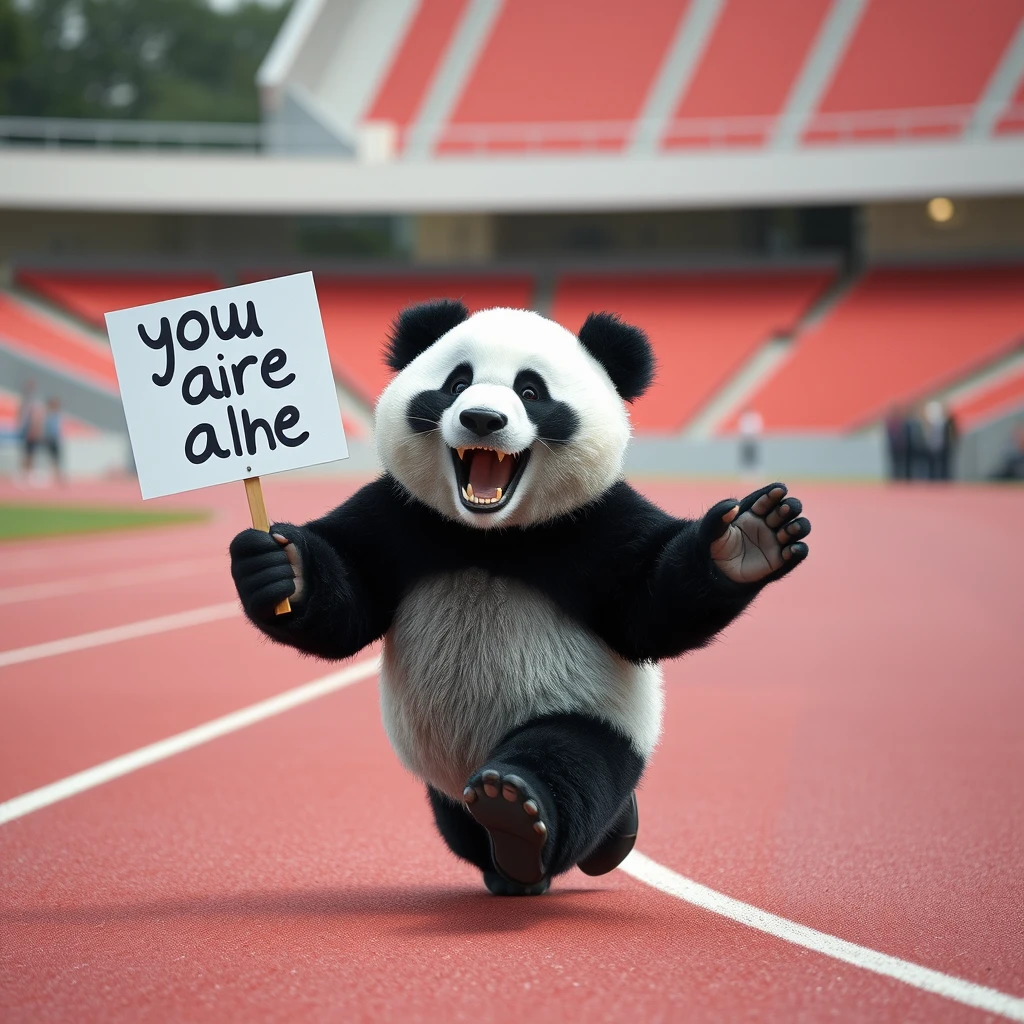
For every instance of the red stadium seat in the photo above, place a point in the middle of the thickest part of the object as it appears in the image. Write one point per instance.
(89, 295)
(415, 61)
(703, 327)
(1013, 119)
(357, 312)
(899, 335)
(39, 338)
(909, 54)
(769, 71)
(559, 64)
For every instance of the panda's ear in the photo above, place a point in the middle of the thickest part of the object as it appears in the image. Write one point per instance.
(416, 328)
(623, 350)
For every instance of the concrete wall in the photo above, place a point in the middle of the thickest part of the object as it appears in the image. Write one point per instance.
(978, 227)
(453, 238)
(857, 457)
(984, 451)
(241, 183)
(68, 234)
(861, 457)
(85, 458)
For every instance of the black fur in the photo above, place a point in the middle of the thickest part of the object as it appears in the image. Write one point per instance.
(261, 570)
(417, 328)
(641, 580)
(425, 409)
(465, 838)
(556, 422)
(579, 770)
(623, 350)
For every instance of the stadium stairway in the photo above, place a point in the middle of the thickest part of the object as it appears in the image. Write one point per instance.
(69, 365)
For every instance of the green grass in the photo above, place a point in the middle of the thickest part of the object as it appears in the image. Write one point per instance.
(18, 522)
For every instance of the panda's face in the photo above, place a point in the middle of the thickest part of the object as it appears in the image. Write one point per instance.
(506, 420)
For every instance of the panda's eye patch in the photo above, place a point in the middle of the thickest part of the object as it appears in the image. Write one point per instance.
(530, 387)
(458, 380)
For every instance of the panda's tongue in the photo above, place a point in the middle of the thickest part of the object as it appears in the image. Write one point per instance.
(487, 474)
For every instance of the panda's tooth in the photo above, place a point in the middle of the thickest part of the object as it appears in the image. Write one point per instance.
(462, 452)
(501, 458)
(464, 493)
(497, 494)
(469, 491)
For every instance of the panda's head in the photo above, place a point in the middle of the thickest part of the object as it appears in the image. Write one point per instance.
(505, 418)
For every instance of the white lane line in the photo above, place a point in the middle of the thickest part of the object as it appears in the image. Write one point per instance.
(147, 627)
(656, 875)
(162, 749)
(637, 865)
(106, 580)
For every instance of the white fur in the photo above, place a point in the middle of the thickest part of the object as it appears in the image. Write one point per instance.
(498, 343)
(470, 656)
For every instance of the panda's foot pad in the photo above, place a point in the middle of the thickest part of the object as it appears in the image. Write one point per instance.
(514, 819)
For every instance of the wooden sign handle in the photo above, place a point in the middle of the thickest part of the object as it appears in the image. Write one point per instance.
(258, 511)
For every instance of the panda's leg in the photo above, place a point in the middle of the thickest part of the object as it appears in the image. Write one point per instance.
(469, 840)
(554, 792)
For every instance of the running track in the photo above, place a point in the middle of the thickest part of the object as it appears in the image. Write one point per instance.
(849, 758)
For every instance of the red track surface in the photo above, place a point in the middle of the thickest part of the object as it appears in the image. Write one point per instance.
(848, 757)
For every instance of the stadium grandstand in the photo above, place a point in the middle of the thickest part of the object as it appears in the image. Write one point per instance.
(834, 233)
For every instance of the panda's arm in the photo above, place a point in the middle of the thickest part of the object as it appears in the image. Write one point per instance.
(660, 591)
(350, 582)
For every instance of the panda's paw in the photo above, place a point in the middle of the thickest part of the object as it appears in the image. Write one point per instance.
(760, 536)
(514, 819)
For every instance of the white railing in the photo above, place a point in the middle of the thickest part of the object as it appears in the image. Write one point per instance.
(520, 138)
(81, 133)
(715, 132)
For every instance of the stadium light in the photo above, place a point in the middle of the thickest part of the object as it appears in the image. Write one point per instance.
(941, 210)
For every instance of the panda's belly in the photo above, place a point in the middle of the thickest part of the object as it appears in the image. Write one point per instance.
(470, 656)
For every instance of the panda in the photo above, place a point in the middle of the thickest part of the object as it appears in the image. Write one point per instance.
(525, 593)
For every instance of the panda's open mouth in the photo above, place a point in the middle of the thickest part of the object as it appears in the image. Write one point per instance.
(486, 477)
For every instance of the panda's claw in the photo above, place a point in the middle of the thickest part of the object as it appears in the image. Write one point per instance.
(490, 781)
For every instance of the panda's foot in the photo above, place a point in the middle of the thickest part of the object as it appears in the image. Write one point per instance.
(616, 845)
(514, 819)
(500, 886)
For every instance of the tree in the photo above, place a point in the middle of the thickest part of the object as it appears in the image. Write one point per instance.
(150, 59)
(13, 46)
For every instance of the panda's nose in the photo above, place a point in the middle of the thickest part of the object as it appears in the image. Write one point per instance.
(482, 421)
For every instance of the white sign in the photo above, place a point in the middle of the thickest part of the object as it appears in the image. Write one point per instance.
(226, 385)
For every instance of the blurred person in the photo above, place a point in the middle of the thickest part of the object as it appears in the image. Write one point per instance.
(898, 437)
(31, 425)
(917, 449)
(939, 435)
(52, 437)
(751, 427)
